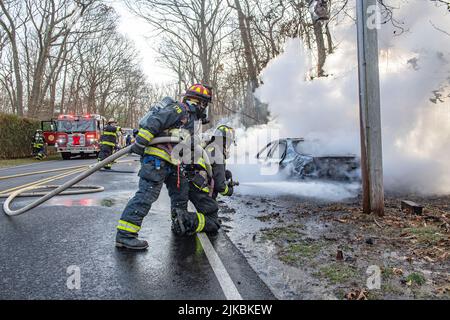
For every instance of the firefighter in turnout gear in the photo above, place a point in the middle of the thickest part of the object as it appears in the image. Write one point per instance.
(157, 165)
(39, 145)
(108, 141)
(203, 190)
(222, 139)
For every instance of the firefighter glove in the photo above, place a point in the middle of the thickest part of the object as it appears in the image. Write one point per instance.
(199, 180)
(138, 149)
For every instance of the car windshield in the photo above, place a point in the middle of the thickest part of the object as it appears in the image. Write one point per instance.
(76, 125)
(299, 146)
(309, 147)
(262, 154)
(277, 152)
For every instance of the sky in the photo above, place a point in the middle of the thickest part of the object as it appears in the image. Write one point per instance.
(137, 30)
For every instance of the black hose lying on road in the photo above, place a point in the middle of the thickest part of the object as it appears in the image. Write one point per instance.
(84, 175)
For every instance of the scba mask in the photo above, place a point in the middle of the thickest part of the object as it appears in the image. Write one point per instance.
(201, 109)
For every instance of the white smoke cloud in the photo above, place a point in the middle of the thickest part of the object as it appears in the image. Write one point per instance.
(416, 131)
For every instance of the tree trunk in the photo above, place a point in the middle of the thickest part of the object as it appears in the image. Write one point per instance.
(321, 50)
(329, 39)
(11, 33)
(19, 85)
(63, 90)
(245, 35)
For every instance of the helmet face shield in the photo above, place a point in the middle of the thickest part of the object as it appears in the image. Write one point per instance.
(192, 102)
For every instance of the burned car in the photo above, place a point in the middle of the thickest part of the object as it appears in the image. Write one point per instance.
(296, 158)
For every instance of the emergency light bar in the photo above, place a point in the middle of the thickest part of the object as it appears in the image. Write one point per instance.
(77, 117)
(67, 117)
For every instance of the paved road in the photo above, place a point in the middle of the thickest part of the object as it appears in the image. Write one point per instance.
(42, 250)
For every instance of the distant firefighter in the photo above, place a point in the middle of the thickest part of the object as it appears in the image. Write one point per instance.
(108, 141)
(39, 145)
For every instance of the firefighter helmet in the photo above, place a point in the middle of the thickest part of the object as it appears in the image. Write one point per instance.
(227, 133)
(199, 91)
(112, 120)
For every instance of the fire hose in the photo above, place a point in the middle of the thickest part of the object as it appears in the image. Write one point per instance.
(87, 189)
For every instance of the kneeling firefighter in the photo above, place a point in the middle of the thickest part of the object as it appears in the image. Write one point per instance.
(203, 190)
(157, 165)
(38, 145)
(108, 141)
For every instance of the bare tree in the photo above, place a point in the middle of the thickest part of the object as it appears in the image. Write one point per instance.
(192, 32)
(9, 21)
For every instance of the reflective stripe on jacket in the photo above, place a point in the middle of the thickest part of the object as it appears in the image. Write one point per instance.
(109, 136)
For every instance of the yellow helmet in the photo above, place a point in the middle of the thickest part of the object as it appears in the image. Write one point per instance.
(227, 133)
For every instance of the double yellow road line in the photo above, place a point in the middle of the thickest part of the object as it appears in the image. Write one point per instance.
(43, 181)
(72, 170)
(42, 171)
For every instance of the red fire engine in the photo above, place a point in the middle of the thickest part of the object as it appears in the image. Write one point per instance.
(76, 134)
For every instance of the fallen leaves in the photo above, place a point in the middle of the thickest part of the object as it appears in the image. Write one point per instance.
(357, 294)
(432, 254)
(397, 271)
(443, 290)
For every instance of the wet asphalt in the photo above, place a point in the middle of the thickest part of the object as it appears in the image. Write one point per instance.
(42, 250)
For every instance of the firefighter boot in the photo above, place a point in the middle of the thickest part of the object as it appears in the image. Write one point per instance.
(107, 166)
(130, 241)
(173, 217)
(182, 222)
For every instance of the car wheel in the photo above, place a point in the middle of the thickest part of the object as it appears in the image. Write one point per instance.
(66, 155)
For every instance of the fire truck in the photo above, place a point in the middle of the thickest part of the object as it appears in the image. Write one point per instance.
(75, 134)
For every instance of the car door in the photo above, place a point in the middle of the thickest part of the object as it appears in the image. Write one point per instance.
(49, 131)
(277, 152)
(264, 152)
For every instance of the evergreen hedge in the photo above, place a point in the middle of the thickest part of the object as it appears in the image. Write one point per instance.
(16, 135)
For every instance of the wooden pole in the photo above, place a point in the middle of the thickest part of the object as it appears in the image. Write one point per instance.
(369, 100)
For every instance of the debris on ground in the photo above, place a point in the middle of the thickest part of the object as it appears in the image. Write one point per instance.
(357, 294)
(310, 249)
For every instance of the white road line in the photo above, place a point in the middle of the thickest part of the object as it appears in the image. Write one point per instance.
(228, 287)
(225, 281)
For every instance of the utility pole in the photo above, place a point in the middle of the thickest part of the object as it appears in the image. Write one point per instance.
(369, 107)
